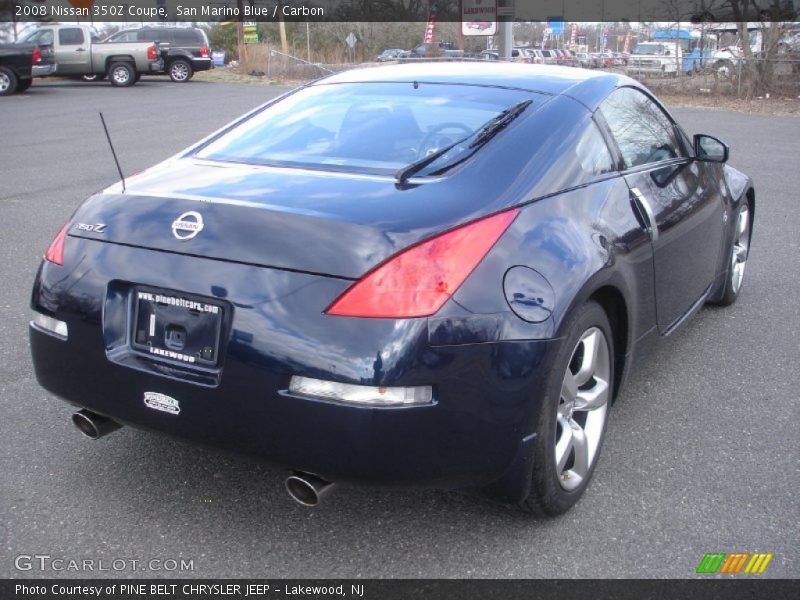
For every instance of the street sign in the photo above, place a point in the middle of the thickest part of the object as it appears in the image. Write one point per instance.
(351, 40)
(250, 32)
(478, 17)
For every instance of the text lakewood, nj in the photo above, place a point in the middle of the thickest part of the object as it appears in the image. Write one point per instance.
(264, 12)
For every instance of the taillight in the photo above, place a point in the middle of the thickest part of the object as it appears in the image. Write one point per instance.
(37, 55)
(55, 251)
(419, 280)
(152, 52)
(203, 52)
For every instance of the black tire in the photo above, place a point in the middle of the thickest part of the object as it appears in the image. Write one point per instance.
(738, 252)
(180, 70)
(94, 77)
(8, 81)
(24, 84)
(121, 74)
(554, 489)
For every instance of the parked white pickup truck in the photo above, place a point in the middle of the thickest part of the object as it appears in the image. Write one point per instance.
(663, 58)
(76, 52)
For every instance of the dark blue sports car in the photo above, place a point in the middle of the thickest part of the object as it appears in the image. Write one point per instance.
(434, 275)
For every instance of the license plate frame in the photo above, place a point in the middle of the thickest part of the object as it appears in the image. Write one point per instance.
(176, 327)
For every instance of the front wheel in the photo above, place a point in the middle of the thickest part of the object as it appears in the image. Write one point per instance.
(737, 256)
(121, 74)
(8, 81)
(574, 413)
(180, 71)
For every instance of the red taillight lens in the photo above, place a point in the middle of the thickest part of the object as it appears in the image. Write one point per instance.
(152, 52)
(419, 280)
(55, 252)
(37, 55)
(203, 51)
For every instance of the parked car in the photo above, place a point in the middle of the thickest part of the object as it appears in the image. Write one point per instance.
(490, 55)
(655, 58)
(568, 58)
(585, 60)
(77, 52)
(390, 54)
(188, 48)
(17, 62)
(550, 57)
(333, 283)
(437, 49)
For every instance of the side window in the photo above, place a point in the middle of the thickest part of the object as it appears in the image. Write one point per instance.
(592, 152)
(124, 36)
(642, 131)
(185, 37)
(71, 36)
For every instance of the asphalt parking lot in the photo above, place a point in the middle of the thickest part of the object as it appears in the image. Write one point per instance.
(701, 454)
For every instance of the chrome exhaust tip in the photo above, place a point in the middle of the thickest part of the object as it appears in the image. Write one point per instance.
(307, 489)
(92, 425)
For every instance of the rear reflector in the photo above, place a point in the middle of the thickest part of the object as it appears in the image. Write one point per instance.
(50, 325)
(55, 252)
(419, 280)
(363, 395)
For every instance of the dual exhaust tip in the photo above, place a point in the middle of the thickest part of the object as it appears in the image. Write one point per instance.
(303, 488)
(92, 425)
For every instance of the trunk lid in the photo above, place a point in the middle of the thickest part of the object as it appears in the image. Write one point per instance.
(339, 225)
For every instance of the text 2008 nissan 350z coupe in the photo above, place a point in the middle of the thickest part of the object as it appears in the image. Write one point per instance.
(431, 275)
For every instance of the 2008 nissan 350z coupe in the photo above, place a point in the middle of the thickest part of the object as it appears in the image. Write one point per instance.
(435, 275)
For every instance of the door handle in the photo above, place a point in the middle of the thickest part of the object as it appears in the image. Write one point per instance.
(647, 213)
(80, 50)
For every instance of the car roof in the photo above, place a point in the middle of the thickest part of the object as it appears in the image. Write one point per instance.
(588, 87)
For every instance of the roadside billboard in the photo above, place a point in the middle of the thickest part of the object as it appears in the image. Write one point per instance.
(478, 17)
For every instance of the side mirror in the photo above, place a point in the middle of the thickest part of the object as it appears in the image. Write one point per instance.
(710, 149)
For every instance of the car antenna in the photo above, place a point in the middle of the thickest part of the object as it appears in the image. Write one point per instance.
(113, 153)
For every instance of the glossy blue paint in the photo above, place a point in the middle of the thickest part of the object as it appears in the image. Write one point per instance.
(279, 245)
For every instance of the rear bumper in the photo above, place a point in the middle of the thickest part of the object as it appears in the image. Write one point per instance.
(477, 431)
(43, 70)
(201, 64)
(156, 66)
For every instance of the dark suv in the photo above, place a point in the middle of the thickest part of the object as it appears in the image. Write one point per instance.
(188, 48)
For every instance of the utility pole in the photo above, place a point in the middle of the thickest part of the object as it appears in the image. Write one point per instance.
(240, 30)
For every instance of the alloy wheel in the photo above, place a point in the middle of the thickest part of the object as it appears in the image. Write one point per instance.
(741, 247)
(581, 415)
(179, 71)
(5, 82)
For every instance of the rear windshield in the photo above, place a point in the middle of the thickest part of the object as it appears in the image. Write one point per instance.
(362, 127)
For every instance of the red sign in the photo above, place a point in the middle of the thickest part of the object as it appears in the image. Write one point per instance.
(430, 30)
(82, 4)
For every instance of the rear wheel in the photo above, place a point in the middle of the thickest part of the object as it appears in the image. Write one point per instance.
(121, 74)
(574, 413)
(8, 81)
(180, 70)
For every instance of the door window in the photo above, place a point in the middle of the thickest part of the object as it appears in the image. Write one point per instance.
(643, 132)
(123, 36)
(70, 36)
